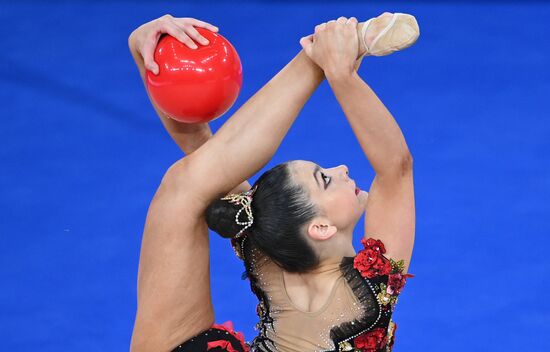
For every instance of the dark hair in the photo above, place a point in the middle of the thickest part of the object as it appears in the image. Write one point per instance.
(281, 208)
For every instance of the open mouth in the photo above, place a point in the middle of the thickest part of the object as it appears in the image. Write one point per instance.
(357, 190)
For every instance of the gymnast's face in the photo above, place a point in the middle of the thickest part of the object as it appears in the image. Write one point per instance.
(333, 191)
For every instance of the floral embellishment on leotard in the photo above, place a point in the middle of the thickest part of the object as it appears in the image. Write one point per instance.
(225, 344)
(384, 298)
(386, 279)
(371, 341)
(370, 261)
(396, 282)
(345, 346)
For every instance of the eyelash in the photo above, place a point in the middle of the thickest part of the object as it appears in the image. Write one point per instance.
(323, 176)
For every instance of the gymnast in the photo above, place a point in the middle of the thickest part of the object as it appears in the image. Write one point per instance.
(293, 228)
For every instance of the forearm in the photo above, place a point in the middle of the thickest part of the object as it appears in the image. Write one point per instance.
(378, 133)
(187, 136)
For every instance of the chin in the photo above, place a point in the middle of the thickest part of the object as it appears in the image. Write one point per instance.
(363, 196)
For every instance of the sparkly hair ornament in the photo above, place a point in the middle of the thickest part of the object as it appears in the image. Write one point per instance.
(243, 199)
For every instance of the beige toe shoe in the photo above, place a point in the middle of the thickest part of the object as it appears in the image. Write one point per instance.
(401, 32)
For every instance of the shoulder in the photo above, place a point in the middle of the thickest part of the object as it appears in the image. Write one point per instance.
(375, 268)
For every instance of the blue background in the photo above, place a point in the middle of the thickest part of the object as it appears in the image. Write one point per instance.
(82, 153)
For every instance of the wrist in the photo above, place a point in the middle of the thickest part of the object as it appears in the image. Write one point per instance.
(190, 145)
(341, 78)
(190, 138)
(132, 40)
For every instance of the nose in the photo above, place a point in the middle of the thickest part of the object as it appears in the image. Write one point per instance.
(345, 171)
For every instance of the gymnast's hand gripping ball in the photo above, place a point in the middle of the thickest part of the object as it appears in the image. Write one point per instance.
(195, 85)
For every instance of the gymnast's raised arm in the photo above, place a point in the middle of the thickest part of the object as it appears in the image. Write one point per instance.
(142, 42)
(390, 210)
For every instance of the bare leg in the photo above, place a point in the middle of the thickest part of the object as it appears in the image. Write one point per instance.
(174, 301)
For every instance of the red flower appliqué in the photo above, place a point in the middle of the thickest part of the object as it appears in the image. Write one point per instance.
(370, 262)
(396, 282)
(227, 326)
(371, 341)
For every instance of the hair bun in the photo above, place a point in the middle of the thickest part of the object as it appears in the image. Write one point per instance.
(280, 207)
(220, 217)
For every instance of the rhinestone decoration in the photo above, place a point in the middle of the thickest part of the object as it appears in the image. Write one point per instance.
(245, 200)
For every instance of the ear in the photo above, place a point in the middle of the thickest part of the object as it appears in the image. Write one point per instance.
(321, 229)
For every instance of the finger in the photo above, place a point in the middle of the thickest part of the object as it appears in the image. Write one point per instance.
(320, 27)
(194, 34)
(180, 35)
(148, 52)
(352, 20)
(342, 20)
(306, 43)
(309, 38)
(197, 23)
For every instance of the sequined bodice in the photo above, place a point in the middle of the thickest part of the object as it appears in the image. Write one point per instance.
(356, 316)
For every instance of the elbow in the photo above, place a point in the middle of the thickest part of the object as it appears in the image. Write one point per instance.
(406, 164)
(399, 167)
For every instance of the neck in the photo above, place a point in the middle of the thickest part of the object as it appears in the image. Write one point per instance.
(338, 246)
(313, 283)
(309, 291)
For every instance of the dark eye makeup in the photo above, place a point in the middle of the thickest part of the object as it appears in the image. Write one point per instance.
(325, 176)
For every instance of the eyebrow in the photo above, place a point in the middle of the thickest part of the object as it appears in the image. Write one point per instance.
(315, 170)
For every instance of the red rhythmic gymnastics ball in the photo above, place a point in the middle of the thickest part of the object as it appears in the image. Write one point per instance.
(195, 85)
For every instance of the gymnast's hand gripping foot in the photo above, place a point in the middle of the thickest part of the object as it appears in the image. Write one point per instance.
(315, 292)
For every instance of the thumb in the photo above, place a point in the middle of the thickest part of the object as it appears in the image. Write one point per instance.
(307, 43)
(153, 67)
(149, 63)
(148, 54)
